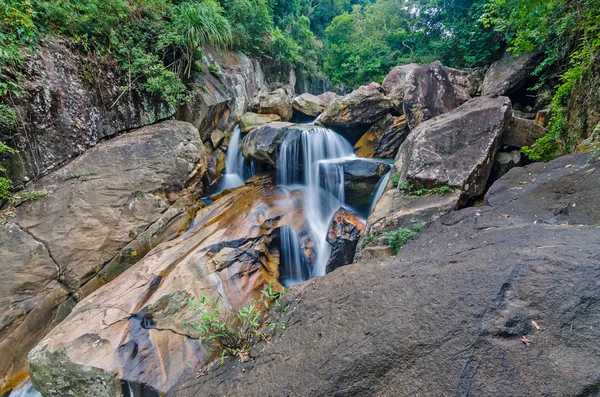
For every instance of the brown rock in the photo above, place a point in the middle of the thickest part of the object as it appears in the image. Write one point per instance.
(383, 139)
(344, 232)
(313, 105)
(522, 132)
(230, 249)
(542, 118)
(363, 106)
(102, 213)
(276, 102)
(216, 138)
(250, 121)
(216, 165)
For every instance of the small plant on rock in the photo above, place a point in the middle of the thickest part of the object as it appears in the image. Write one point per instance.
(233, 332)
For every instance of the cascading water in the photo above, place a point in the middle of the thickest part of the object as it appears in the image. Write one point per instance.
(234, 163)
(380, 189)
(26, 390)
(304, 159)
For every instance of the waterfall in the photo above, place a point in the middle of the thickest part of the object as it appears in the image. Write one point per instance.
(234, 163)
(304, 159)
(26, 390)
(380, 189)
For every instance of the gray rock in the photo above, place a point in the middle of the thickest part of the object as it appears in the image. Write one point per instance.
(509, 74)
(423, 91)
(103, 212)
(505, 161)
(449, 316)
(65, 109)
(456, 149)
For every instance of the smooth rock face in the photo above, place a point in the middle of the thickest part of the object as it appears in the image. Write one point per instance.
(424, 91)
(64, 113)
(313, 105)
(250, 121)
(456, 149)
(522, 132)
(262, 144)
(509, 74)
(134, 328)
(383, 139)
(468, 83)
(363, 106)
(276, 102)
(344, 232)
(102, 213)
(449, 315)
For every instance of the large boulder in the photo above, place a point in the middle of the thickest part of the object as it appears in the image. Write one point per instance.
(135, 329)
(362, 106)
(456, 149)
(102, 213)
(250, 121)
(276, 102)
(313, 105)
(66, 106)
(383, 139)
(263, 143)
(423, 91)
(493, 301)
(345, 230)
(522, 132)
(468, 83)
(509, 74)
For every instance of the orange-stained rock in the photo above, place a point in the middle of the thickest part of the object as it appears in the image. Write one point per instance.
(383, 139)
(344, 232)
(133, 328)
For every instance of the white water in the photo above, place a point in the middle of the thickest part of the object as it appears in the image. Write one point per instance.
(305, 159)
(26, 390)
(380, 189)
(234, 163)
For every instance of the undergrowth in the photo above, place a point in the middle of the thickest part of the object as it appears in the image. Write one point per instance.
(234, 332)
(397, 238)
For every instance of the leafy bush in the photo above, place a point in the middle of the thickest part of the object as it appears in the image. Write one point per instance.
(409, 190)
(233, 332)
(6, 185)
(399, 237)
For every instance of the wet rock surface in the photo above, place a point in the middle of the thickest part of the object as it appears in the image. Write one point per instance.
(344, 233)
(383, 139)
(134, 328)
(102, 212)
(492, 301)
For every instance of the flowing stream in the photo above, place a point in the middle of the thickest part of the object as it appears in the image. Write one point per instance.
(26, 390)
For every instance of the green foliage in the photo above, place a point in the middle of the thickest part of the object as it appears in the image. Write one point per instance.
(365, 43)
(568, 33)
(233, 332)
(399, 237)
(29, 195)
(395, 180)
(6, 185)
(214, 70)
(409, 190)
